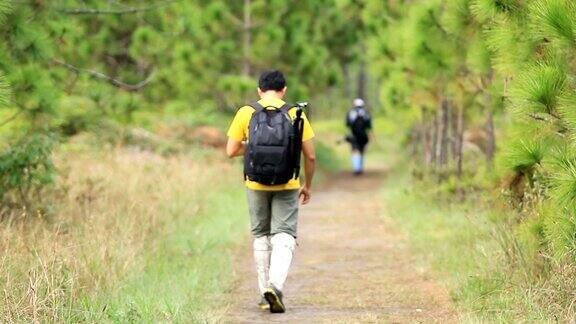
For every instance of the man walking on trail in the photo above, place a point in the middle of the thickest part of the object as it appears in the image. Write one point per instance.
(359, 121)
(270, 134)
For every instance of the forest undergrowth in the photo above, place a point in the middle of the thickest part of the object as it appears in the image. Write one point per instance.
(476, 249)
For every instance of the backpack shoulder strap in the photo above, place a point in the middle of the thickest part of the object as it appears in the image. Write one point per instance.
(286, 107)
(258, 107)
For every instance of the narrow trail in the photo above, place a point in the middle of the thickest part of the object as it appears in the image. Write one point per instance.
(351, 266)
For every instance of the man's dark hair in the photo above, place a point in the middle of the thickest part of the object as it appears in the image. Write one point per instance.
(272, 80)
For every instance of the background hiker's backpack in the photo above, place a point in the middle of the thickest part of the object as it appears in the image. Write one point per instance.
(359, 121)
(273, 145)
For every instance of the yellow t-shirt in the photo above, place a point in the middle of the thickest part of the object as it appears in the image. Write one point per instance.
(239, 131)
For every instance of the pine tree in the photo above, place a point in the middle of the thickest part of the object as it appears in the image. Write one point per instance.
(4, 88)
(424, 68)
(166, 58)
(534, 46)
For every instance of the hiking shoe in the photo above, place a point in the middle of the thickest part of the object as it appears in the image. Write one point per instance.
(263, 304)
(274, 298)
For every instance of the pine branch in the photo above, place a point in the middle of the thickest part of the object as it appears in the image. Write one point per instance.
(540, 117)
(556, 121)
(132, 10)
(113, 81)
(436, 20)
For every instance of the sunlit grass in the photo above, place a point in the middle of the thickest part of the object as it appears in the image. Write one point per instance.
(496, 269)
(114, 215)
(131, 235)
(188, 272)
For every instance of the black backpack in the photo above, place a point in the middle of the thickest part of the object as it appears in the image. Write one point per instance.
(360, 124)
(272, 154)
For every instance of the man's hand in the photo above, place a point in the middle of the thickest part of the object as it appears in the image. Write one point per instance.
(309, 167)
(305, 195)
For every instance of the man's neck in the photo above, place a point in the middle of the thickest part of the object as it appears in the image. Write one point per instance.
(271, 95)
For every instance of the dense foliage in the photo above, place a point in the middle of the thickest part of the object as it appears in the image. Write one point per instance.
(72, 64)
(449, 66)
(105, 66)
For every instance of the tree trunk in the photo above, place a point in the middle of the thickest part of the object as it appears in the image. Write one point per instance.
(415, 139)
(376, 101)
(434, 141)
(454, 133)
(443, 133)
(428, 153)
(247, 39)
(348, 91)
(489, 126)
(362, 81)
(426, 138)
(460, 141)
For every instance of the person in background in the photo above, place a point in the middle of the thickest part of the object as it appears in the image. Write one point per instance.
(359, 121)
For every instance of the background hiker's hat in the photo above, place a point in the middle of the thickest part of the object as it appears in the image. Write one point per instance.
(358, 102)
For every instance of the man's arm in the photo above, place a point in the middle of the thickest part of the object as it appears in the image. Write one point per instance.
(234, 148)
(237, 132)
(309, 168)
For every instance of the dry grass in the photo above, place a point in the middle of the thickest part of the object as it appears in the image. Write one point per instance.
(108, 207)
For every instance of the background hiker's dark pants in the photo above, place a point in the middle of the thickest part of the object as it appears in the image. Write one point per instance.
(273, 212)
(358, 142)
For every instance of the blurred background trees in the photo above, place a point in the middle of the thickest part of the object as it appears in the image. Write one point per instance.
(470, 74)
(73, 64)
(106, 67)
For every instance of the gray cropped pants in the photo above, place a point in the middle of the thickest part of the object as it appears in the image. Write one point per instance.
(273, 212)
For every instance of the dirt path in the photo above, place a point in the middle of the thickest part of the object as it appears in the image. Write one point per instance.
(351, 266)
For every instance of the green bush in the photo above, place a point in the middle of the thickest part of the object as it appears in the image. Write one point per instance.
(25, 169)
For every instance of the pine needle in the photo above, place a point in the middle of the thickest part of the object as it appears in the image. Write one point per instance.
(555, 19)
(4, 91)
(488, 9)
(538, 90)
(5, 9)
(524, 155)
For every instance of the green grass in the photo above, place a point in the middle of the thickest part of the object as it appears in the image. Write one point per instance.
(161, 252)
(187, 271)
(464, 244)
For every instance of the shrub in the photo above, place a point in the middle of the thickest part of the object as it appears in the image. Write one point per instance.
(25, 169)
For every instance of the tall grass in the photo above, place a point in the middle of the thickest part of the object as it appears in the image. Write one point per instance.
(496, 269)
(113, 214)
(189, 273)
